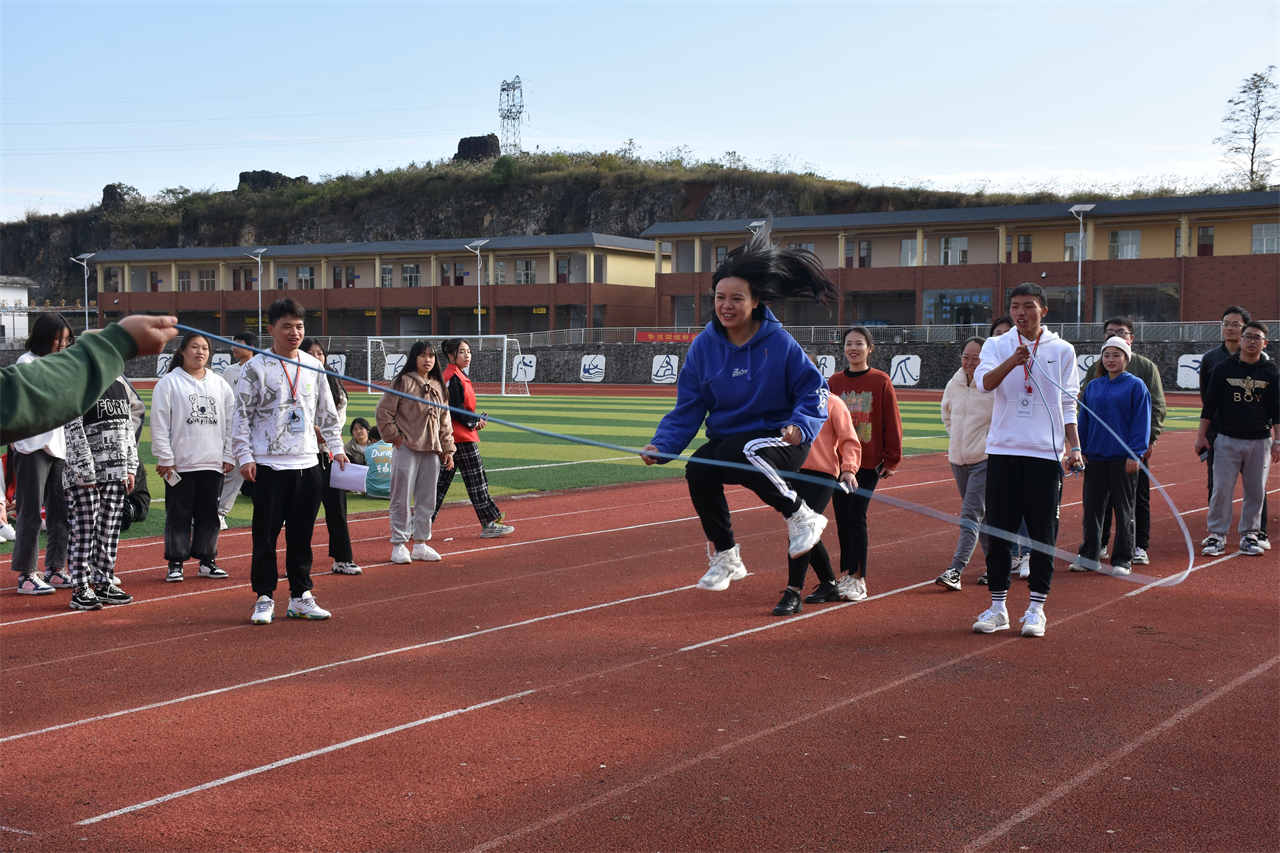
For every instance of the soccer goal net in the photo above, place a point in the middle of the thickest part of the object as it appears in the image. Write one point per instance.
(496, 361)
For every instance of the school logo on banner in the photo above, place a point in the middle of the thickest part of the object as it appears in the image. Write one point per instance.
(523, 368)
(826, 365)
(1083, 363)
(162, 364)
(665, 369)
(592, 368)
(905, 370)
(336, 362)
(1189, 371)
(395, 361)
(220, 362)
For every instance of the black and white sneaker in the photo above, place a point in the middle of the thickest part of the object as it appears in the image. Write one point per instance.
(109, 594)
(84, 598)
(950, 579)
(210, 570)
(1261, 536)
(175, 573)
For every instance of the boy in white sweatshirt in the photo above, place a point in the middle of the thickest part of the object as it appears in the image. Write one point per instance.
(1032, 374)
(280, 405)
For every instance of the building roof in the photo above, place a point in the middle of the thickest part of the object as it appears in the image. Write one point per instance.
(450, 245)
(17, 281)
(973, 215)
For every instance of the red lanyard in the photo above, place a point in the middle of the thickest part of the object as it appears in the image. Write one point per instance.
(293, 383)
(1026, 368)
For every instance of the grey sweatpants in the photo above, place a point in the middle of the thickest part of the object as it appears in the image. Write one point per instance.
(231, 482)
(1251, 460)
(971, 480)
(413, 474)
(39, 481)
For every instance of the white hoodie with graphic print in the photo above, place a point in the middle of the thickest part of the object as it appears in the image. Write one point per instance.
(191, 421)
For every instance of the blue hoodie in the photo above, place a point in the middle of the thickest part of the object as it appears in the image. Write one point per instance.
(1124, 404)
(765, 384)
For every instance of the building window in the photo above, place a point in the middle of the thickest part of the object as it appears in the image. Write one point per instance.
(184, 281)
(282, 277)
(337, 277)
(1024, 248)
(1008, 248)
(1071, 250)
(907, 253)
(599, 269)
(499, 272)
(307, 278)
(1061, 301)
(409, 275)
(208, 279)
(722, 252)
(955, 250)
(809, 247)
(526, 271)
(384, 276)
(864, 254)
(1266, 238)
(961, 307)
(153, 281)
(562, 270)
(1124, 245)
(1204, 241)
(1146, 303)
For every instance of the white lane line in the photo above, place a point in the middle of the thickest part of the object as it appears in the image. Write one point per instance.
(15, 829)
(293, 759)
(1194, 569)
(1067, 787)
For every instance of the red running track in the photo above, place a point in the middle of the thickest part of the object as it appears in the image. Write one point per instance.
(567, 688)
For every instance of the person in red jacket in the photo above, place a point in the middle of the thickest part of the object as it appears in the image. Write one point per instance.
(466, 440)
(868, 394)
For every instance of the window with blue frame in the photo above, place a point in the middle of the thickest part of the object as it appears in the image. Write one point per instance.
(942, 307)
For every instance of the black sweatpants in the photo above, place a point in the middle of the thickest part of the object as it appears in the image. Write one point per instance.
(191, 516)
(1106, 488)
(817, 497)
(851, 523)
(290, 499)
(767, 454)
(1141, 514)
(335, 514)
(1022, 488)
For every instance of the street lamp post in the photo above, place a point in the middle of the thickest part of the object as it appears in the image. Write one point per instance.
(256, 254)
(1078, 211)
(83, 260)
(755, 226)
(474, 246)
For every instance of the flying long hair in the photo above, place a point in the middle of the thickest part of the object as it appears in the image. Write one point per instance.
(336, 390)
(411, 362)
(773, 272)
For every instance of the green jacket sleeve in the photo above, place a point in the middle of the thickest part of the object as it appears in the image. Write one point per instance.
(1158, 408)
(51, 390)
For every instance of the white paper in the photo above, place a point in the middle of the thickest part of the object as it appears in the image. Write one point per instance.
(351, 478)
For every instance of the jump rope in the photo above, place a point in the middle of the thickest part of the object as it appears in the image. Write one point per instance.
(796, 476)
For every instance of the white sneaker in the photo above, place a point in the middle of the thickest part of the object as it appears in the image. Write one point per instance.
(306, 608)
(1103, 552)
(400, 553)
(1077, 565)
(804, 530)
(1213, 545)
(991, 620)
(1121, 570)
(726, 566)
(33, 584)
(7, 533)
(263, 609)
(1033, 623)
(346, 568)
(1140, 557)
(1024, 567)
(425, 553)
(851, 588)
(222, 522)
(1249, 545)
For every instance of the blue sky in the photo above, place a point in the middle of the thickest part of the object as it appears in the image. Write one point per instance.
(1001, 95)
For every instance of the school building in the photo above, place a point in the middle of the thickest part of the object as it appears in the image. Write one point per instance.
(1159, 259)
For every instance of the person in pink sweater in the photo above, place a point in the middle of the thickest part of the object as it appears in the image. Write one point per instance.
(834, 456)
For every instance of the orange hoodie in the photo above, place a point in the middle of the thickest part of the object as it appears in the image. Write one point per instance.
(836, 449)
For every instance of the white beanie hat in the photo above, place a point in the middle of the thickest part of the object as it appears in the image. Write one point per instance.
(1120, 344)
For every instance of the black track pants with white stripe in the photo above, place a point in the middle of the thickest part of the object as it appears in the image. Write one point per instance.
(764, 454)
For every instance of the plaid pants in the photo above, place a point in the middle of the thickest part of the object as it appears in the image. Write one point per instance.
(106, 532)
(466, 459)
(82, 518)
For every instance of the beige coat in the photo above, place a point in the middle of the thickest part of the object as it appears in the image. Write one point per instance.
(966, 414)
(427, 429)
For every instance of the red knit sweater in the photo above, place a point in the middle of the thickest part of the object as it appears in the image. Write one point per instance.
(874, 408)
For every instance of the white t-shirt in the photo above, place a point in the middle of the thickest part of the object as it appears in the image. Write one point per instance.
(53, 442)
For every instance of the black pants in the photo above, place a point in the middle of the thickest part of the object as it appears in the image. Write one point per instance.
(1106, 488)
(290, 499)
(851, 524)
(1022, 488)
(1208, 464)
(817, 497)
(767, 454)
(335, 514)
(1141, 514)
(191, 516)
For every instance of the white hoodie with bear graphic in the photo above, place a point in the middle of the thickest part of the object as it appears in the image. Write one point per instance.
(191, 421)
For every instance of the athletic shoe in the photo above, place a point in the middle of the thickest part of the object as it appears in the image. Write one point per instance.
(991, 620)
(950, 579)
(1263, 540)
(174, 575)
(1077, 565)
(109, 593)
(982, 581)
(1033, 623)
(346, 567)
(263, 609)
(84, 598)
(115, 579)
(7, 531)
(823, 593)
(222, 522)
(33, 584)
(306, 608)
(852, 588)
(211, 570)
(726, 566)
(425, 553)
(789, 605)
(1213, 545)
(804, 530)
(1121, 569)
(1104, 552)
(1250, 545)
(400, 553)
(1140, 557)
(58, 579)
(496, 528)
(1024, 567)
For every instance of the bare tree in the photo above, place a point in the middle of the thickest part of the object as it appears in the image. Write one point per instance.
(1251, 114)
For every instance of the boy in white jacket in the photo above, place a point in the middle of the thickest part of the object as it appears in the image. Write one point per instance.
(281, 403)
(1031, 373)
(966, 416)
